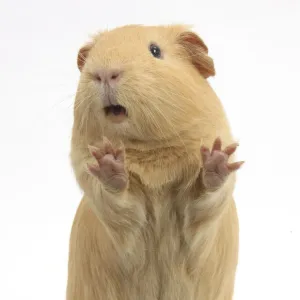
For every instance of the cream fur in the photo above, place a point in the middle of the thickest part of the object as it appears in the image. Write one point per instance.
(165, 238)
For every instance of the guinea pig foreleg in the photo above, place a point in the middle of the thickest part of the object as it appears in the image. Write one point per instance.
(215, 184)
(104, 180)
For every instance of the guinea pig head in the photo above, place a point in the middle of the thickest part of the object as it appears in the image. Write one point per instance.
(143, 82)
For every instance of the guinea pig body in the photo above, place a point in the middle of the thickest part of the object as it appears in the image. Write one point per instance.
(157, 220)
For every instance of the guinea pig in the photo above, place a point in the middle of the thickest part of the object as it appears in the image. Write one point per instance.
(153, 153)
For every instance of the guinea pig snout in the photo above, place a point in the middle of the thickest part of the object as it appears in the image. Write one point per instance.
(109, 76)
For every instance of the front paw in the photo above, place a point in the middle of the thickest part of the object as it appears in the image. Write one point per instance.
(215, 164)
(110, 166)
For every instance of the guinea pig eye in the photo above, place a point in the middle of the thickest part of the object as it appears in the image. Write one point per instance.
(155, 50)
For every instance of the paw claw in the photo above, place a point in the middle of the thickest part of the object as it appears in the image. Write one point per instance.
(205, 153)
(93, 169)
(204, 148)
(105, 140)
(217, 145)
(93, 150)
(229, 150)
(120, 154)
(235, 166)
(97, 153)
(107, 145)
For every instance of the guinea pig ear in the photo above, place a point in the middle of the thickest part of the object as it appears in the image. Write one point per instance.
(83, 54)
(198, 53)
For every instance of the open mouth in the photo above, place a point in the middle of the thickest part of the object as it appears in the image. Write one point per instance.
(116, 110)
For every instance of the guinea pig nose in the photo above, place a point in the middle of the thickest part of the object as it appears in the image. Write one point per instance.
(109, 76)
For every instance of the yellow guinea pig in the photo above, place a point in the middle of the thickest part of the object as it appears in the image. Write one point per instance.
(153, 153)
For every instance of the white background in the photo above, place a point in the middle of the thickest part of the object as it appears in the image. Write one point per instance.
(256, 48)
